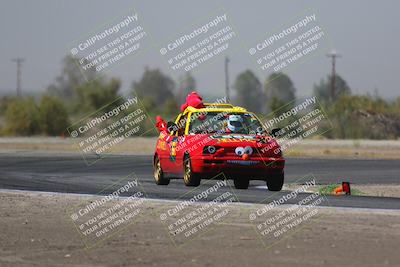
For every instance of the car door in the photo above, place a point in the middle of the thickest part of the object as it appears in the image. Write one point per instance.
(163, 150)
(180, 146)
(168, 157)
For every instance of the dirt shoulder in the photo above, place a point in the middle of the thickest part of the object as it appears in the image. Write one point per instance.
(380, 149)
(375, 149)
(36, 230)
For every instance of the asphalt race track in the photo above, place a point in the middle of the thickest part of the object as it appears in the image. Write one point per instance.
(70, 174)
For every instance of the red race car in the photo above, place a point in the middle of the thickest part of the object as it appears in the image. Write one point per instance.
(216, 139)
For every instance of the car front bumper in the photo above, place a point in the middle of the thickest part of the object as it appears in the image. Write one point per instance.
(254, 168)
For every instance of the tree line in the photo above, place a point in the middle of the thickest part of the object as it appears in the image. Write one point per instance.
(71, 96)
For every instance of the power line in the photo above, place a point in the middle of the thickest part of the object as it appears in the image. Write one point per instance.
(19, 62)
(333, 54)
(227, 80)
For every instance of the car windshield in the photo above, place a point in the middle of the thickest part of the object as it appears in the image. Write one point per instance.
(225, 122)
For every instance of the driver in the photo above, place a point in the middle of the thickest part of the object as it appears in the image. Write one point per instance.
(235, 124)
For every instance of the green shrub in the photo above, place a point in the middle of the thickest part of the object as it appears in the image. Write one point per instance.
(22, 118)
(53, 116)
(356, 117)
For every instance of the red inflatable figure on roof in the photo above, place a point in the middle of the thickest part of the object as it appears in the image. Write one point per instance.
(193, 100)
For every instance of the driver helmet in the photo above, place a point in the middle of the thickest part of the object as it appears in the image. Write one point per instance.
(235, 123)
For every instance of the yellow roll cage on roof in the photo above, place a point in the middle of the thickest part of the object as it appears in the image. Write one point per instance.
(215, 107)
(209, 107)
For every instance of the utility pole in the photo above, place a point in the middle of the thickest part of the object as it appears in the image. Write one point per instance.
(227, 80)
(333, 54)
(19, 62)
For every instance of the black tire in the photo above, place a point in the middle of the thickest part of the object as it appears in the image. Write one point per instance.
(158, 173)
(241, 183)
(189, 178)
(275, 183)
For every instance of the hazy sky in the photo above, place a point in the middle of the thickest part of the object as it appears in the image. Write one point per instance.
(365, 33)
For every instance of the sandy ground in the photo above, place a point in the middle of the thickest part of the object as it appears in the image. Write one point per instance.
(36, 231)
(384, 149)
(379, 190)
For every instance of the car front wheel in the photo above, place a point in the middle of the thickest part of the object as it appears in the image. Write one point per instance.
(189, 178)
(241, 183)
(275, 183)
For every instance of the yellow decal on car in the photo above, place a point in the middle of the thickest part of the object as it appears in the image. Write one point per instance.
(162, 145)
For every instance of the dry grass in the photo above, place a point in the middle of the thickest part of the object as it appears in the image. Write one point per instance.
(376, 190)
(382, 149)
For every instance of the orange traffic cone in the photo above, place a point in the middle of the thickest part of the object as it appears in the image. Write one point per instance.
(338, 190)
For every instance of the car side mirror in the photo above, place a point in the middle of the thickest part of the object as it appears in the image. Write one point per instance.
(171, 127)
(276, 132)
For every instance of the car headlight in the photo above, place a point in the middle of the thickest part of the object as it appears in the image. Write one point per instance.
(209, 150)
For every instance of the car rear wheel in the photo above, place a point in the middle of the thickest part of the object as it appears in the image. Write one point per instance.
(241, 183)
(189, 178)
(158, 173)
(275, 183)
